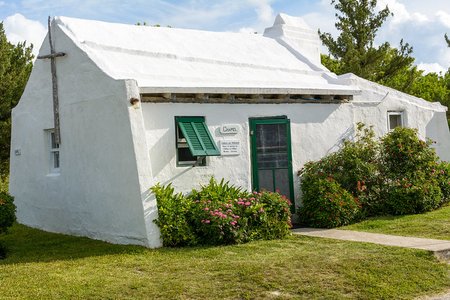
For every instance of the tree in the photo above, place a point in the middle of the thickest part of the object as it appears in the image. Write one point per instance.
(354, 48)
(353, 51)
(15, 68)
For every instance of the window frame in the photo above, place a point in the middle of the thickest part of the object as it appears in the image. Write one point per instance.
(54, 151)
(395, 113)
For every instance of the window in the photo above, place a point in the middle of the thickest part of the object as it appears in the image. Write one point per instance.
(54, 152)
(395, 119)
(194, 141)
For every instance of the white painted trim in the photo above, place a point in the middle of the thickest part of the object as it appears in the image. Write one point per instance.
(345, 91)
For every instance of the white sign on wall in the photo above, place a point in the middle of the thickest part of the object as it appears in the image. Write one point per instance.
(229, 129)
(230, 147)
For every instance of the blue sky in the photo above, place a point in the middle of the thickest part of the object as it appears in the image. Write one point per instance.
(420, 23)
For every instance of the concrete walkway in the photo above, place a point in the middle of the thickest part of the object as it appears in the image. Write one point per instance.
(440, 248)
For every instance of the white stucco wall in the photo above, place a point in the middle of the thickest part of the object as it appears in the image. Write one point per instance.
(97, 193)
(316, 130)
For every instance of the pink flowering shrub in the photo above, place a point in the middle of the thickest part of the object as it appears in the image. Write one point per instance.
(255, 216)
(221, 214)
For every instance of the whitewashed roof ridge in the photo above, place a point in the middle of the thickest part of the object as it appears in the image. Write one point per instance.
(161, 58)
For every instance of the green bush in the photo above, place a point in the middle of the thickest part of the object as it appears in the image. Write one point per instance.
(7, 211)
(398, 174)
(272, 220)
(408, 166)
(220, 214)
(354, 167)
(326, 204)
(257, 216)
(403, 154)
(217, 191)
(355, 164)
(3, 251)
(443, 177)
(212, 215)
(172, 217)
(411, 196)
(4, 182)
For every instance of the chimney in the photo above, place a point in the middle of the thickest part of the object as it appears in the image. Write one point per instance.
(296, 34)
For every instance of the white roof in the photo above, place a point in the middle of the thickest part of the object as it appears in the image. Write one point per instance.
(162, 59)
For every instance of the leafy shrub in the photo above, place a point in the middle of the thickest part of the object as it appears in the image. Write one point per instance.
(217, 222)
(411, 196)
(443, 177)
(213, 216)
(354, 167)
(172, 217)
(4, 182)
(408, 166)
(356, 162)
(403, 154)
(257, 216)
(326, 204)
(217, 191)
(220, 213)
(273, 219)
(398, 174)
(7, 211)
(3, 251)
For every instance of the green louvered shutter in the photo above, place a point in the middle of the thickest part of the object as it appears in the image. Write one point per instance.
(197, 136)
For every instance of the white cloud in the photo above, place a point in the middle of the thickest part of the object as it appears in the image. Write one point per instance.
(444, 18)
(18, 29)
(401, 14)
(264, 10)
(264, 15)
(431, 68)
(422, 25)
(247, 30)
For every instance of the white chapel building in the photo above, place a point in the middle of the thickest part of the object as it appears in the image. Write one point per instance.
(140, 105)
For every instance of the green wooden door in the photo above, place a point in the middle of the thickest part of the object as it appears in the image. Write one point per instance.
(271, 155)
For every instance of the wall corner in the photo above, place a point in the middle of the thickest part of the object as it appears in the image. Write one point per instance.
(143, 163)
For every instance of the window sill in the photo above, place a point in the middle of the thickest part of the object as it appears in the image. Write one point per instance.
(53, 174)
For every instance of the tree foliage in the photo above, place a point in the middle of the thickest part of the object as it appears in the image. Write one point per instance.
(15, 68)
(354, 48)
(353, 51)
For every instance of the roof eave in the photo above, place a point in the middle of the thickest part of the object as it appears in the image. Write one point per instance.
(245, 90)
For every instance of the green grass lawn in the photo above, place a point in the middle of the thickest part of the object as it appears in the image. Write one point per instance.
(435, 225)
(43, 265)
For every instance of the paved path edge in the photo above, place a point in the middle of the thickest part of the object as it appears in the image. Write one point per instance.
(441, 248)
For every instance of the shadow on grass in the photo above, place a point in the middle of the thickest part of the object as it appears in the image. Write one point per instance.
(385, 218)
(25, 244)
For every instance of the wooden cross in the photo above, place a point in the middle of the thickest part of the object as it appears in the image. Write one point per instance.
(52, 57)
